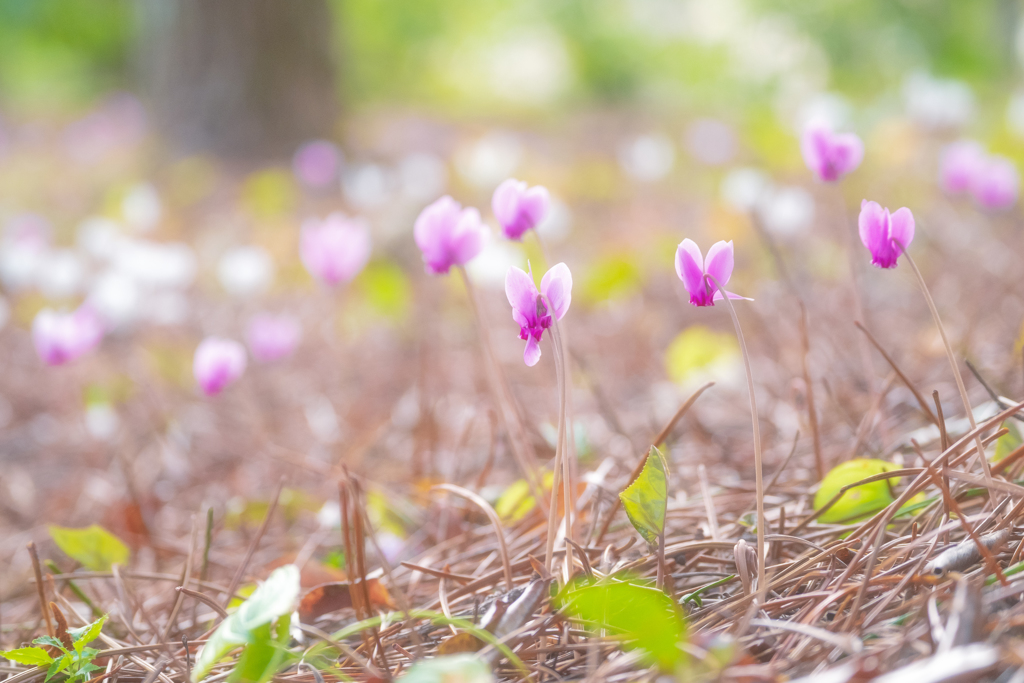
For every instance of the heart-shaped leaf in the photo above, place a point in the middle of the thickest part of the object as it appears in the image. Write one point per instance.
(95, 547)
(646, 499)
(859, 501)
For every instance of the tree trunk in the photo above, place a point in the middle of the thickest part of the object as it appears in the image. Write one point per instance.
(245, 79)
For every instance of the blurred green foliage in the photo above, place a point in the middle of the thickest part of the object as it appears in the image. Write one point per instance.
(62, 53)
(870, 40)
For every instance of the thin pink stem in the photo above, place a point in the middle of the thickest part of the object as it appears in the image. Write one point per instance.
(758, 476)
(952, 362)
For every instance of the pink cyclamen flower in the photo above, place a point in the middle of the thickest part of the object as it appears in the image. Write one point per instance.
(996, 183)
(271, 337)
(830, 155)
(62, 337)
(335, 249)
(218, 362)
(519, 208)
(448, 235)
(693, 269)
(960, 165)
(316, 163)
(883, 233)
(533, 309)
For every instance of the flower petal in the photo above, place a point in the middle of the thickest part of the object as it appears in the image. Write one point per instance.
(901, 228)
(521, 292)
(505, 201)
(531, 354)
(556, 286)
(814, 146)
(719, 263)
(847, 153)
(534, 204)
(718, 296)
(690, 265)
(468, 237)
(873, 226)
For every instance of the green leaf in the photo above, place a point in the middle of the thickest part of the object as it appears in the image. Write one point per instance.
(642, 614)
(57, 666)
(94, 547)
(30, 656)
(646, 499)
(860, 501)
(85, 635)
(461, 668)
(274, 598)
(1008, 442)
(84, 671)
(700, 350)
(515, 502)
(51, 641)
(254, 664)
(613, 276)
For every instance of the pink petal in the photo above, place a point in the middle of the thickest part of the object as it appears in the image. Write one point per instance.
(962, 161)
(719, 263)
(534, 204)
(217, 363)
(521, 292)
(531, 354)
(718, 296)
(690, 265)
(901, 228)
(505, 201)
(556, 285)
(847, 152)
(873, 226)
(814, 144)
(433, 231)
(467, 239)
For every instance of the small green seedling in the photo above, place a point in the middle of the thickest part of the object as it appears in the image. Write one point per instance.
(75, 663)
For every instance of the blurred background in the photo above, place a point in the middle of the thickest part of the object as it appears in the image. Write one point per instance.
(157, 160)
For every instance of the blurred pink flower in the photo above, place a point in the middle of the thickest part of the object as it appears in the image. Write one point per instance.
(335, 249)
(882, 233)
(693, 269)
(271, 337)
(448, 235)
(519, 208)
(996, 183)
(830, 155)
(218, 362)
(533, 309)
(960, 164)
(62, 337)
(316, 163)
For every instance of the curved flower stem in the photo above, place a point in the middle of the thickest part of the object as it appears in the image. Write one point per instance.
(758, 475)
(505, 404)
(563, 466)
(952, 363)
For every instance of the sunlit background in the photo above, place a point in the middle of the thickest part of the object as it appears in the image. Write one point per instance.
(157, 160)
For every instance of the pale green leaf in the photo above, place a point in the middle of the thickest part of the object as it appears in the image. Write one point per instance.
(700, 351)
(643, 615)
(29, 656)
(461, 668)
(859, 501)
(85, 635)
(94, 547)
(1008, 442)
(275, 597)
(646, 499)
